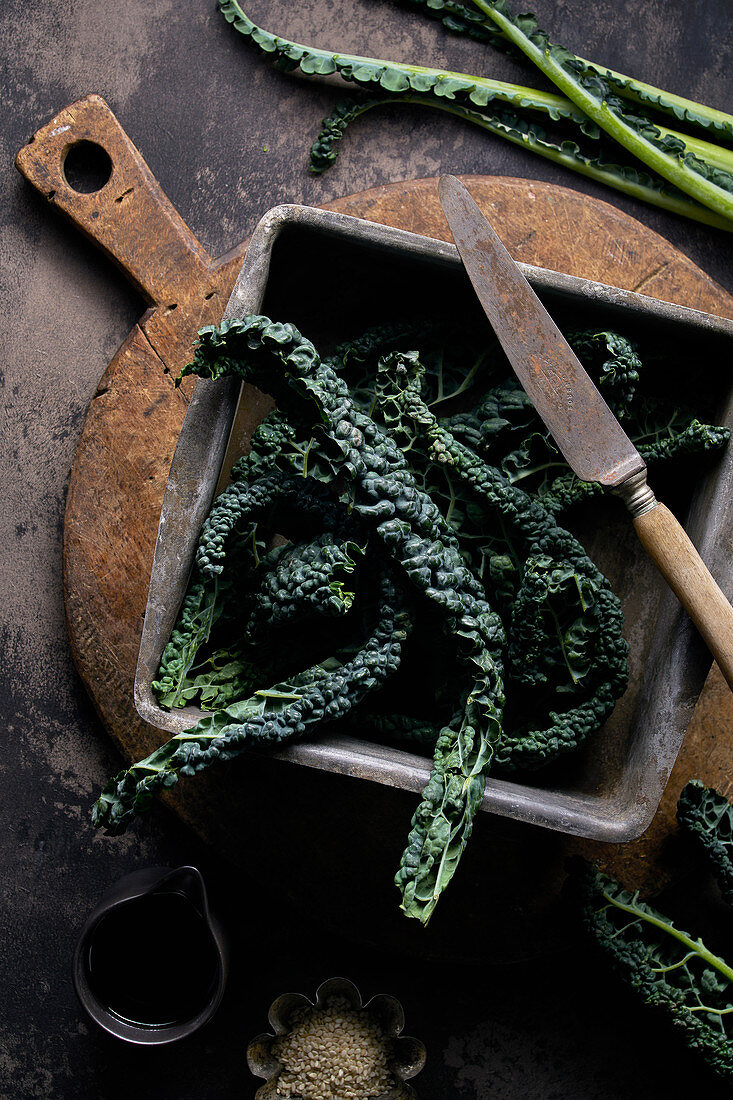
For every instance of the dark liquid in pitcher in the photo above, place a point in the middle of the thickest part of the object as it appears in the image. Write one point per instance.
(152, 961)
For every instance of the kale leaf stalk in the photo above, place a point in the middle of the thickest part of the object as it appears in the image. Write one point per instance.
(499, 108)
(468, 18)
(683, 165)
(664, 154)
(695, 948)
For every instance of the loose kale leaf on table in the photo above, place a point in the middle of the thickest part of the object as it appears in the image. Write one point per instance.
(592, 117)
(674, 972)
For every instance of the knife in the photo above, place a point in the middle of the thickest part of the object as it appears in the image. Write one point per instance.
(587, 433)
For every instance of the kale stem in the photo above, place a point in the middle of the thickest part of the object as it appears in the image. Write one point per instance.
(697, 947)
(620, 178)
(452, 504)
(306, 456)
(459, 389)
(325, 62)
(669, 166)
(640, 92)
(519, 476)
(672, 966)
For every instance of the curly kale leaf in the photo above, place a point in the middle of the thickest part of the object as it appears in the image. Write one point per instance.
(664, 432)
(673, 972)
(369, 345)
(588, 156)
(191, 631)
(325, 149)
(548, 590)
(562, 614)
(443, 821)
(390, 77)
(614, 362)
(308, 578)
(237, 511)
(502, 412)
(411, 529)
(272, 436)
(220, 679)
(708, 818)
(237, 570)
(286, 711)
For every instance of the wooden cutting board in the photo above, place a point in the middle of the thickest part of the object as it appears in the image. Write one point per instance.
(334, 842)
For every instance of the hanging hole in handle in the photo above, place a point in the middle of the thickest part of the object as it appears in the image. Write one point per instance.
(87, 167)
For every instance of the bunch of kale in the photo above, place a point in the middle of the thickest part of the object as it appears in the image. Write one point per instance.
(395, 524)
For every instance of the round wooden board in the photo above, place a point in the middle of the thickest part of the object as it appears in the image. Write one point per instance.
(310, 840)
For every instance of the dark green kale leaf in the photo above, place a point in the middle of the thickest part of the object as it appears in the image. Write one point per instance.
(614, 363)
(563, 622)
(673, 972)
(191, 631)
(309, 579)
(708, 818)
(286, 711)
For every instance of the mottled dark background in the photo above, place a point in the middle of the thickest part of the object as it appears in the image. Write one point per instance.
(227, 137)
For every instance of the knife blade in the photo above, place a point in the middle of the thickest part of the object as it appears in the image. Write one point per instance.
(584, 428)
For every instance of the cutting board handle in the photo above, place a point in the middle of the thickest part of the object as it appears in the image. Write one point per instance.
(128, 216)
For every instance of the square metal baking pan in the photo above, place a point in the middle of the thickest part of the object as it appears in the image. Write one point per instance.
(334, 275)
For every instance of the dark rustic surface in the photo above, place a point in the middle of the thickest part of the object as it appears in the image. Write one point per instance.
(226, 137)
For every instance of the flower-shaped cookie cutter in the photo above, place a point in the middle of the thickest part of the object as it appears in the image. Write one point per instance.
(406, 1056)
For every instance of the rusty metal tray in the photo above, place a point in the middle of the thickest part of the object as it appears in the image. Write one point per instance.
(329, 273)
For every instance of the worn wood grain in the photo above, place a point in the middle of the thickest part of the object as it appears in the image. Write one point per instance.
(116, 489)
(672, 551)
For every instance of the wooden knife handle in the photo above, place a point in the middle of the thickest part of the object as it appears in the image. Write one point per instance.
(129, 216)
(669, 547)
